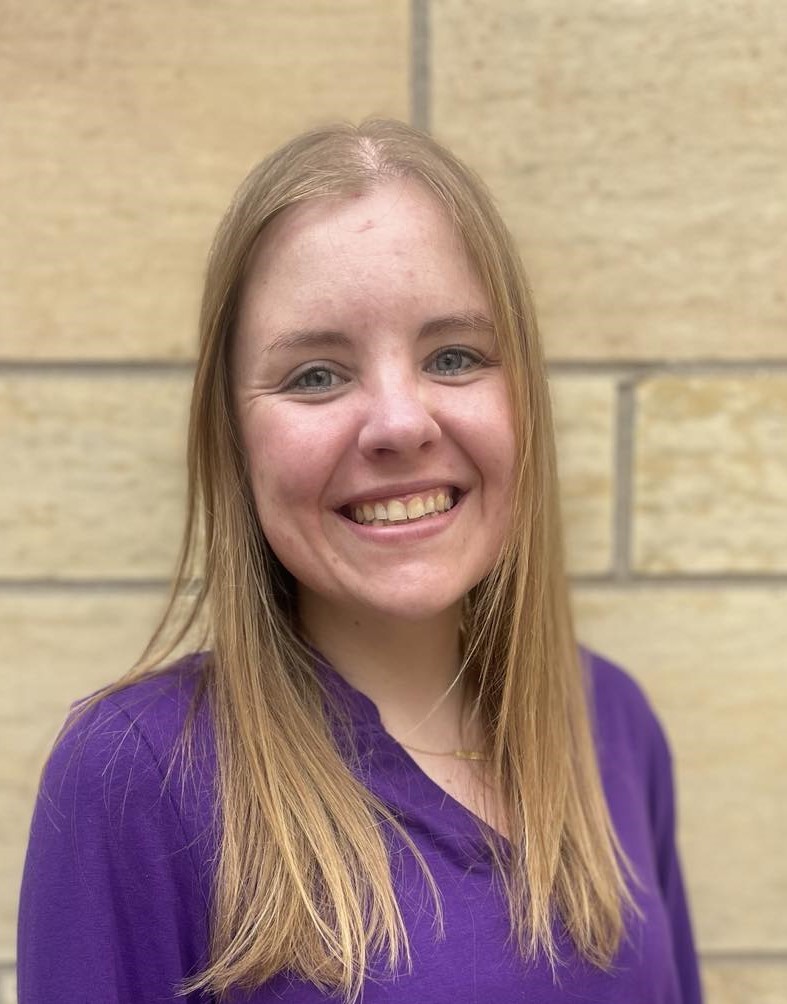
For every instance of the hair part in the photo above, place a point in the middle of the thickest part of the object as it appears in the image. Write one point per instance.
(312, 892)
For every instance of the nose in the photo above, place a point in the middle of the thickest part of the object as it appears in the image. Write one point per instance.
(398, 419)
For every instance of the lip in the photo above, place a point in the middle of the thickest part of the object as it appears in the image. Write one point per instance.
(402, 491)
(410, 531)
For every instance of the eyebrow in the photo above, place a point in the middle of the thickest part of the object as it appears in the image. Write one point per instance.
(317, 338)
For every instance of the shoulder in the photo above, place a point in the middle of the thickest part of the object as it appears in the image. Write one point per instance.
(157, 704)
(125, 751)
(624, 719)
(634, 759)
(119, 863)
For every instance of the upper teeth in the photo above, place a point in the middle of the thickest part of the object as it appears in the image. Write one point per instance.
(396, 511)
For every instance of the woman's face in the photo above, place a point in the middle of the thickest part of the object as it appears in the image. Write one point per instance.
(369, 391)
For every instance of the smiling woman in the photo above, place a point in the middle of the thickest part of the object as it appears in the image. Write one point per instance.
(391, 772)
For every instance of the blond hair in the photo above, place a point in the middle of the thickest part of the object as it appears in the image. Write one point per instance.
(303, 881)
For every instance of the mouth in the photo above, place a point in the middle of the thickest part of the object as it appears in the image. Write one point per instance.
(424, 505)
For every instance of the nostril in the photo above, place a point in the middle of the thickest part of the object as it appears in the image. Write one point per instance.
(398, 430)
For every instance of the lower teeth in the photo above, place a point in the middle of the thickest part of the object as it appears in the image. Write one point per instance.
(408, 519)
(397, 522)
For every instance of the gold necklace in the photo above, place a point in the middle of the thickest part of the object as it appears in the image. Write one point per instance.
(457, 754)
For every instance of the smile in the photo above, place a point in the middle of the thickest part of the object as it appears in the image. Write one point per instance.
(381, 512)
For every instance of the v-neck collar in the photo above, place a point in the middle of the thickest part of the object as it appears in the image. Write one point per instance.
(388, 770)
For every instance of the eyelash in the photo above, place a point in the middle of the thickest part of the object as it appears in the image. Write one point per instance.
(293, 384)
(475, 359)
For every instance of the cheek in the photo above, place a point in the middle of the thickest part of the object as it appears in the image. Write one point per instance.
(504, 445)
(290, 461)
(285, 493)
(489, 429)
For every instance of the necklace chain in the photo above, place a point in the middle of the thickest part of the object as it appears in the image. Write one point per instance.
(457, 754)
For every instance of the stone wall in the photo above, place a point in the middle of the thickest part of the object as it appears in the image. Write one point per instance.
(638, 151)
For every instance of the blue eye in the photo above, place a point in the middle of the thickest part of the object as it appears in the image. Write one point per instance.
(453, 361)
(315, 380)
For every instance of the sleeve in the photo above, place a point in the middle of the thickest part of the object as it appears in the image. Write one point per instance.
(111, 906)
(669, 873)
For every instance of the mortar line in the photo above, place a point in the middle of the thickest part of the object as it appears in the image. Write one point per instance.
(114, 586)
(623, 498)
(644, 582)
(698, 367)
(604, 367)
(606, 581)
(754, 959)
(96, 367)
(420, 82)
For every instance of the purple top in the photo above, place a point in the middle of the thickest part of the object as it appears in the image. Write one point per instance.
(117, 881)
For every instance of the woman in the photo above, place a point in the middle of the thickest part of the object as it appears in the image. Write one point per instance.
(392, 773)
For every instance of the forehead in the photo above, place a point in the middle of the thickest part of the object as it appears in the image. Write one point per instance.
(389, 249)
(390, 211)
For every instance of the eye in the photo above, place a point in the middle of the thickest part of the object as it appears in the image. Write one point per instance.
(453, 360)
(315, 380)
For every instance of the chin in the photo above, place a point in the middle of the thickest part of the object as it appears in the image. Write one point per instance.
(412, 608)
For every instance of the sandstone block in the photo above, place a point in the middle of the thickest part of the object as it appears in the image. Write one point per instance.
(639, 159)
(127, 126)
(738, 983)
(584, 409)
(711, 475)
(97, 475)
(7, 984)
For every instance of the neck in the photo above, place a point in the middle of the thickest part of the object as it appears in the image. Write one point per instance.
(405, 667)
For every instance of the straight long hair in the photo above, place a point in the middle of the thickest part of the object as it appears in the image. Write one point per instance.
(303, 879)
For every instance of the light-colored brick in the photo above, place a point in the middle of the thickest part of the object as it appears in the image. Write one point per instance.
(126, 128)
(711, 475)
(713, 663)
(638, 153)
(8, 985)
(738, 983)
(584, 410)
(95, 474)
(57, 647)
